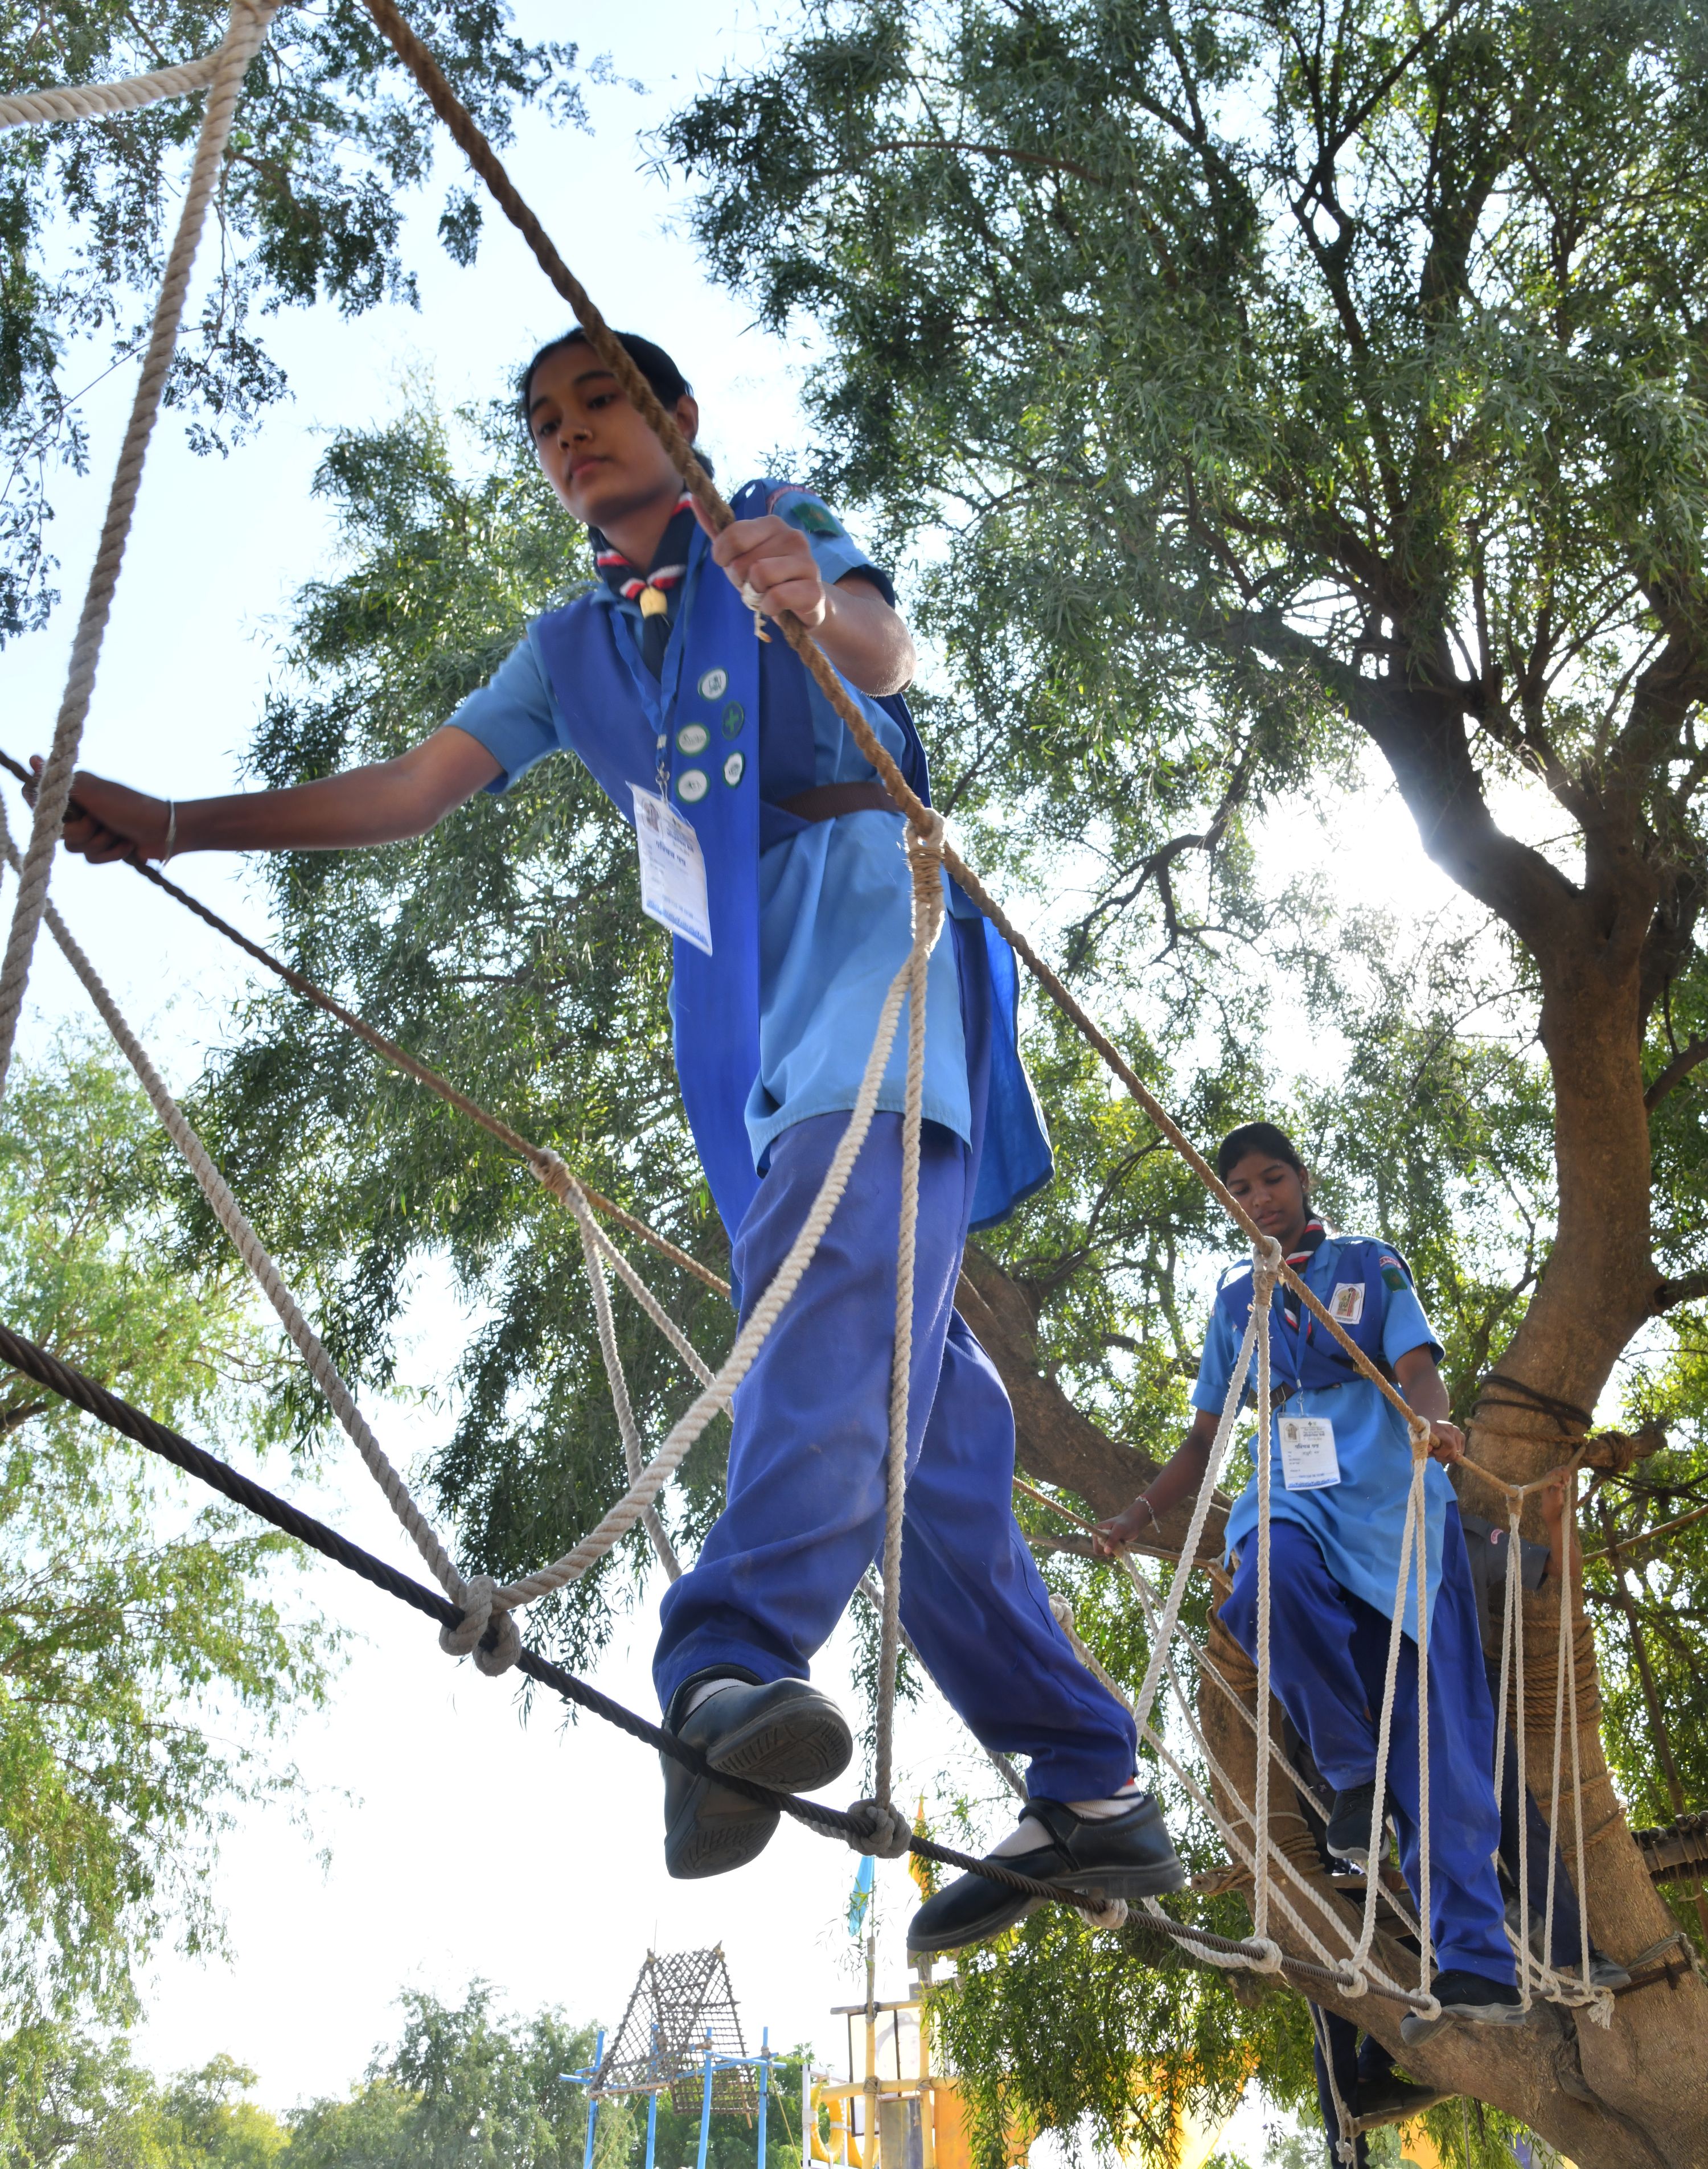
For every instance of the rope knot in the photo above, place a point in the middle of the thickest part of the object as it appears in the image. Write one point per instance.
(1104, 1912)
(1270, 1955)
(878, 1827)
(553, 1173)
(490, 1637)
(1351, 1981)
(1061, 1612)
(1266, 1268)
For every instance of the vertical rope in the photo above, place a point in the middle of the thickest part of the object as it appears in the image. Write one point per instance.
(1265, 1260)
(633, 1458)
(1515, 1575)
(245, 30)
(1569, 1530)
(925, 863)
(1416, 1505)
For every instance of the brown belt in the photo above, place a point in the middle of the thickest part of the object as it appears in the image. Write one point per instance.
(825, 801)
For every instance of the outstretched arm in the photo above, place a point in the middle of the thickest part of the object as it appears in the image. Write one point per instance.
(379, 804)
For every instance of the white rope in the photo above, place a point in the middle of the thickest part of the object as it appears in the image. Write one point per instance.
(245, 30)
(1345, 2145)
(627, 1427)
(253, 1254)
(94, 101)
(1265, 1264)
(721, 1390)
(1164, 1633)
(1420, 1460)
(926, 863)
(868, 1588)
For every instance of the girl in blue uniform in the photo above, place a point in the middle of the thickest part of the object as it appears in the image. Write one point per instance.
(1338, 1504)
(793, 918)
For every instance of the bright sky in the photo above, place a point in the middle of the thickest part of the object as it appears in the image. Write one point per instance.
(458, 1841)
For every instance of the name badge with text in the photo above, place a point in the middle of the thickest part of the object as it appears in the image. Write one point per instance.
(1308, 1462)
(672, 870)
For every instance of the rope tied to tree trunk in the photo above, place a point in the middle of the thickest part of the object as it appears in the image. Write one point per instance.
(245, 30)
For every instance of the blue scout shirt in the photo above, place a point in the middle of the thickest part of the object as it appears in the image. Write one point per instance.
(835, 904)
(1358, 1522)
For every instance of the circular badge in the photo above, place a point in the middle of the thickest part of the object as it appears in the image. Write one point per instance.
(692, 738)
(734, 768)
(691, 785)
(713, 684)
(735, 716)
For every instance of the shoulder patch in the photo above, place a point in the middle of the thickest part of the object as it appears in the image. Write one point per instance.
(809, 513)
(1394, 1274)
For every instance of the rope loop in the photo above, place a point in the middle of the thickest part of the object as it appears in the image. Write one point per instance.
(1351, 1981)
(1265, 1955)
(490, 1637)
(1104, 1912)
(877, 1827)
(1266, 1268)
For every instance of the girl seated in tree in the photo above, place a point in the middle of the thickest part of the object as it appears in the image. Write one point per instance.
(1341, 1474)
(773, 852)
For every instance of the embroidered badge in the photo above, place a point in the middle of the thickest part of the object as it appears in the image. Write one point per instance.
(693, 738)
(691, 785)
(735, 716)
(734, 768)
(713, 684)
(1347, 1304)
(1393, 1272)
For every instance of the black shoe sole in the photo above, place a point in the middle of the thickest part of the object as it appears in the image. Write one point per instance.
(1357, 1855)
(1415, 2029)
(698, 1845)
(796, 1750)
(1123, 1882)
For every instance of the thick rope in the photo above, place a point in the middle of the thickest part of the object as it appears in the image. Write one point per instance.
(245, 30)
(94, 101)
(1344, 2143)
(253, 1252)
(926, 867)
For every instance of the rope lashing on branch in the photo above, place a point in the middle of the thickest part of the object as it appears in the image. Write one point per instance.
(37, 1363)
(95, 101)
(245, 29)
(475, 1617)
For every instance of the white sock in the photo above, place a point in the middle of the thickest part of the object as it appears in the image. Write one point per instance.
(706, 1689)
(1028, 1834)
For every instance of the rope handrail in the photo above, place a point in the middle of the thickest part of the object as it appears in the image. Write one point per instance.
(35, 1362)
(95, 101)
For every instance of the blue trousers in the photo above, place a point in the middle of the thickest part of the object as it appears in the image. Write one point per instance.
(805, 1503)
(1328, 1653)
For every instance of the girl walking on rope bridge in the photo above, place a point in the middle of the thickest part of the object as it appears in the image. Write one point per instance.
(1342, 1468)
(773, 853)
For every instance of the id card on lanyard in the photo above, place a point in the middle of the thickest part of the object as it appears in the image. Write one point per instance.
(1308, 1462)
(672, 869)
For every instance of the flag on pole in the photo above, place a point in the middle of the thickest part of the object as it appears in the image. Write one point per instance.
(859, 1898)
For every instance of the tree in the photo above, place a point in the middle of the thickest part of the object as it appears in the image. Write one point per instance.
(329, 140)
(465, 2088)
(126, 1623)
(507, 948)
(1295, 385)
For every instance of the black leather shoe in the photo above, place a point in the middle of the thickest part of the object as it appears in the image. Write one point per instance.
(1470, 1997)
(1394, 2099)
(786, 1734)
(1126, 1856)
(1348, 1835)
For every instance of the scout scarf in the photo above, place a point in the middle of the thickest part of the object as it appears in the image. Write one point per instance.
(653, 588)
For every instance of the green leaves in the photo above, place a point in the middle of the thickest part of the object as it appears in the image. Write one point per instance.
(329, 138)
(121, 1620)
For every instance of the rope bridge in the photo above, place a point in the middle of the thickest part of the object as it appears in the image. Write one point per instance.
(476, 1614)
